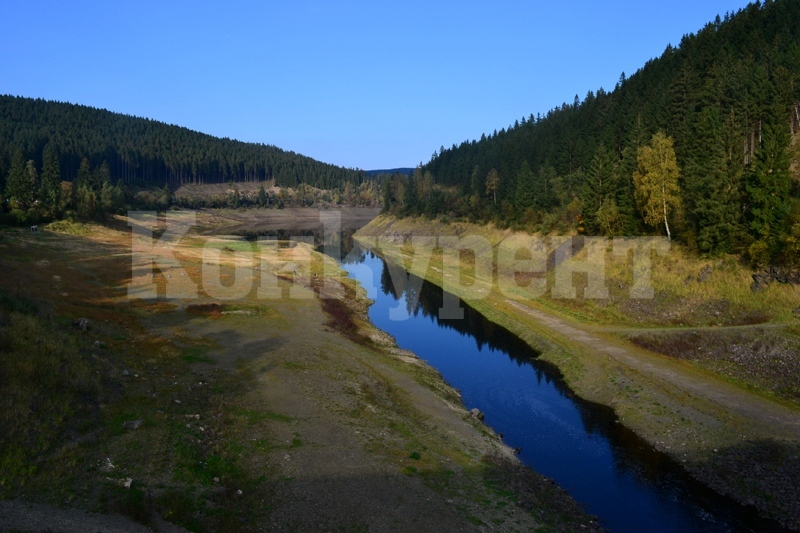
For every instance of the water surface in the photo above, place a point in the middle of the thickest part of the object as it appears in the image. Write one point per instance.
(605, 466)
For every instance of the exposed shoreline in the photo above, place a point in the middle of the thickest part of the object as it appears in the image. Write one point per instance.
(693, 426)
(317, 424)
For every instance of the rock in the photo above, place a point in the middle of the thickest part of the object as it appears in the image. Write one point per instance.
(689, 279)
(704, 274)
(132, 424)
(796, 311)
(82, 324)
(477, 413)
(99, 344)
(759, 283)
(126, 373)
(779, 274)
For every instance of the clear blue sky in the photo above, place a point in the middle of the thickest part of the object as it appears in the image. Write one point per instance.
(359, 84)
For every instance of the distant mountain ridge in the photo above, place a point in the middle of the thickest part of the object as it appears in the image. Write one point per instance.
(391, 171)
(150, 152)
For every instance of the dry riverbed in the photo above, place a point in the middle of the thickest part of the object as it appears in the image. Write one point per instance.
(287, 413)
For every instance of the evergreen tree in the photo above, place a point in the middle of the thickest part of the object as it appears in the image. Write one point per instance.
(111, 198)
(410, 197)
(599, 189)
(768, 186)
(32, 176)
(50, 191)
(713, 204)
(492, 184)
(477, 182)
(84, 177)
(543, 190)
(625, 196)
(19, 188)
(386, 195)
(85, 202)
(525, 198)
(100, 176)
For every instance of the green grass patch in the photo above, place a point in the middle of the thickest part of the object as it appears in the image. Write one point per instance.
(69, 228)
(197, 354)
(254, 417)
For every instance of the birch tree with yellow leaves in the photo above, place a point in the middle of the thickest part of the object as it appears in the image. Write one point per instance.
(656, 181)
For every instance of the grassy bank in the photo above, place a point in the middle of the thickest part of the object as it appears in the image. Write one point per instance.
(720, 417)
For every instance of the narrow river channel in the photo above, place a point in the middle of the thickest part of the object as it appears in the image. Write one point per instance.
(605, 466)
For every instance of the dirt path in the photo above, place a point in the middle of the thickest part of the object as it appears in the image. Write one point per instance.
(781, 419)
(673, 329)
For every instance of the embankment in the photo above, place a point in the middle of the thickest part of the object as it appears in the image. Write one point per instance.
(741, 443)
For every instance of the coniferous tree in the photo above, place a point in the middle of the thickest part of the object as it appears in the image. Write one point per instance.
(477, 181)
(19, 188)
(626, 192)
(599, 191)
(492, 184)
(525, 197)
(84, 177)
(768, 186)
(50, 191)
(410, 197)
(543, 180)
(713, 203)
(32, 175)
(386, 195)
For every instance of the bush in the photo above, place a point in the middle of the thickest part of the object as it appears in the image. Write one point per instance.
(69, 227)
(19, 217)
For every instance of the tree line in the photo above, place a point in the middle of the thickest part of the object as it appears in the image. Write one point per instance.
(31, 194)
(146, 152)
(700, 144)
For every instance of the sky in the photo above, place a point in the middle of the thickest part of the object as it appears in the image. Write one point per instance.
(370, 85)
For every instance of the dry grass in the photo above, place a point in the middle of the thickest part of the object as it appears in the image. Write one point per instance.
(679, 299)
(48, 388)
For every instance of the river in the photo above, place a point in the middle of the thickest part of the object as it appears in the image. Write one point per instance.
(582, 446)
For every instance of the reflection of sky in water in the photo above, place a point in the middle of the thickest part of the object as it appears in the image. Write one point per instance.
(603, 465)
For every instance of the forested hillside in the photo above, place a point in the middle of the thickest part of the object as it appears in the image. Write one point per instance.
(148, 152)
(698, 143)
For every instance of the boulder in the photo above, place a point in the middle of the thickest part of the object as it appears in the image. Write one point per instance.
(82, 324)
(760, 282)
(132, 424)
(477, 413)
(704, 274)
